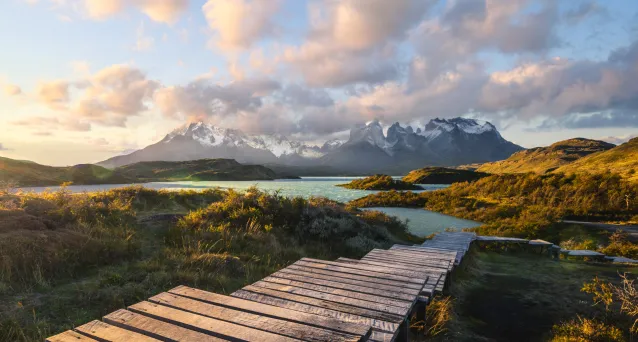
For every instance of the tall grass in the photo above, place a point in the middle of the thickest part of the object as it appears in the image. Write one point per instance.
(66, 259)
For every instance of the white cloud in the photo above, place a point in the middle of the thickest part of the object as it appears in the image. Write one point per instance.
(238, 24)
(12, 90)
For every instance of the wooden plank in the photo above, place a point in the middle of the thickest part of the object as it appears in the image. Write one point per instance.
(433, 275)
(157, 329)
(345, 275)
(273, 311)
(427, 251)
(273, 325)
(341, 268)
(401, 311)
(106, 332)
(351, 287)
(322, 303)
(206, 325)
(434, 250)
(341, 292)
(281, 300)
(385, 266)
(411, 254)
(424, 264)
(70, 336)
(388, 289)
(388, 270)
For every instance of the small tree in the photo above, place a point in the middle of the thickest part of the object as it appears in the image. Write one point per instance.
(625, 294)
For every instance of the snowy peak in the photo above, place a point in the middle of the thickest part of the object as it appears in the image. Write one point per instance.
(208, 135)
(469, 126)
(371, 133)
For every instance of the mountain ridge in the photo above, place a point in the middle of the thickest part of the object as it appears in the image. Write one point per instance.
(546, 159)
(441, 142)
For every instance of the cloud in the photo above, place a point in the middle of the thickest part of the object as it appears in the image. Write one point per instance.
(46, 124)
(54, 94)
(113, 94)
(619, 139)
(107, 97)
(238, 24)
(165, 11)
(2, 148)
(203, 100)
(296, 95)
(354, 41)
(12, 90)
(143, 42)
(584, 10)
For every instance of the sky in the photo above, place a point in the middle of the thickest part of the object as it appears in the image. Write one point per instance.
(84, 80)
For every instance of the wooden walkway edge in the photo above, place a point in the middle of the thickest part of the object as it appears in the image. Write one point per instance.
(371, 299)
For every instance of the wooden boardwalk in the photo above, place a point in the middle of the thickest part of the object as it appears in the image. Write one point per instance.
(371, 299)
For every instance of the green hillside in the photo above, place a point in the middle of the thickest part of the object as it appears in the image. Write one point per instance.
(441, 175)
(380, 182)
(546, 159)
(622, 159)
(27, 173)
(196, 170)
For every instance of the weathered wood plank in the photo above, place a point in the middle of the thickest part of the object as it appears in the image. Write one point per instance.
(273, 325)
(341, 292)
(412, 257)
(106, 332)
(428, 252)
(281, 300)
(424, 264)
(70, 336)
(347, 275)
(413, 281)
(327, 304)
(432, 275)
(428, 249)
(410, 254)
(207, 325)
(326, 322)
(157, 329)
(400, 272)
(390, 289)
(385, 267)
(401, 311)
(388, 293)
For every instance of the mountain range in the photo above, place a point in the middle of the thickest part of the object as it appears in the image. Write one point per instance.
(441, 142)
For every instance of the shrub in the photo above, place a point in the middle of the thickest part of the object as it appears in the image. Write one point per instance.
(586, 330)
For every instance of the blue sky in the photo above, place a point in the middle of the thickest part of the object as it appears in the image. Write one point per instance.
(83, 80)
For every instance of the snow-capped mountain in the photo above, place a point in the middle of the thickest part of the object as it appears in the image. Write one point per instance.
(440, 142)
(201, 140)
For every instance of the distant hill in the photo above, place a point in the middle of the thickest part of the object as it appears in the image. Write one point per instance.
(27, 173)
(380, 182)
(196, 170)
(546, 159)
(622, 159)
(441, 175)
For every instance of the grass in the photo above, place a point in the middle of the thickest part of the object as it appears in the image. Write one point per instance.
(68, 259)
(380, 182)
(524, 297)
(441, 175)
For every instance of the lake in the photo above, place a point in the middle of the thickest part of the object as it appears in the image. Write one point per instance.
(421, 222)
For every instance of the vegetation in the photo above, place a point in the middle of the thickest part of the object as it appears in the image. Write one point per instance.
(441, 175)
(380, 182)
(196, 170)
(529, 205)
(622, 159)
(26, 173)
(67, 259)
(524, 297)
(546, 159)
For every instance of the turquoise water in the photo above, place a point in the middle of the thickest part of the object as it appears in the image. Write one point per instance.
(421, 222)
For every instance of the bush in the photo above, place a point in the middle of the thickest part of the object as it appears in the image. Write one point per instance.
(586, 330)
(380, 182)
